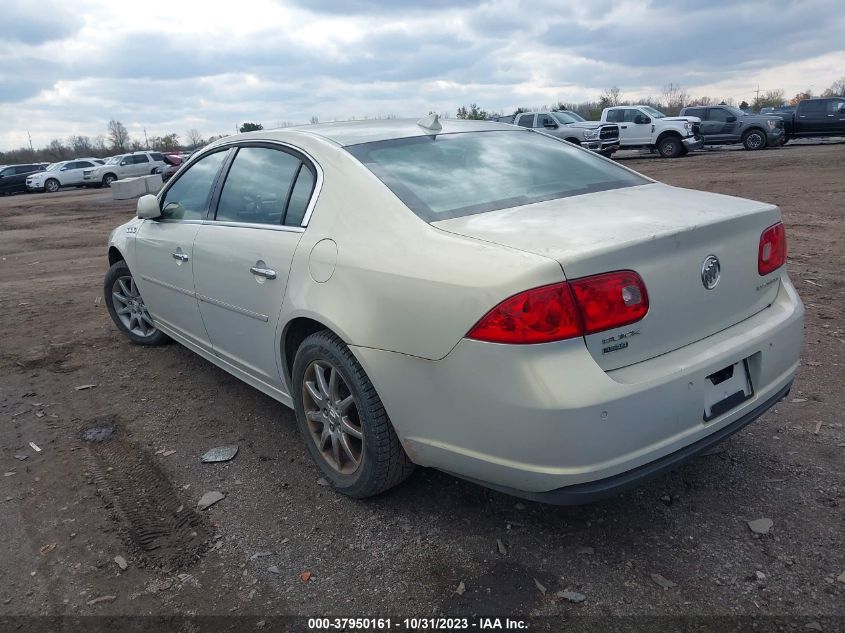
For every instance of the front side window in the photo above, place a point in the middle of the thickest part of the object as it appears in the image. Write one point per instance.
(631, 115)
(9, 171)
(187, 198)
(453, 175)
(256, 189)
(718, 114)
(833, 106)
(565, 118)
(545, 119)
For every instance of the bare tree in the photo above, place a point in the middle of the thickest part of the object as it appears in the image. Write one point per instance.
(674, 98)
(770, 98)
(57, 150)
(81, 145)
(837, 89)
(194, 138)
(118, 135)
(611, 97)
(314, 119)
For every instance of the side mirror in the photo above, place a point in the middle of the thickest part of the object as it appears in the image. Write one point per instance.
(731, 119)
(123, 163)
(842, 108)
(641, 119)
(148, 207)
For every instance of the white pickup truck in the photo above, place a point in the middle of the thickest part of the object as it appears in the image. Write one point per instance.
(641, 126)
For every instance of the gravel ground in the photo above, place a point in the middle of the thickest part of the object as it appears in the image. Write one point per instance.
(280, 543)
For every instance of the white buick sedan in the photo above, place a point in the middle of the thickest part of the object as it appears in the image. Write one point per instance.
(470, 296)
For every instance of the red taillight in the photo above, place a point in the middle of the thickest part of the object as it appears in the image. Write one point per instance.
(565, 310)
(772, 253)
(535, 316)
(610, 300)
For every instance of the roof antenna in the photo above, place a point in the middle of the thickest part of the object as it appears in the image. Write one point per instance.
(430, 122)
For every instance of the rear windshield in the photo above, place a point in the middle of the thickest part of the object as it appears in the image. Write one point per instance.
(453, 175)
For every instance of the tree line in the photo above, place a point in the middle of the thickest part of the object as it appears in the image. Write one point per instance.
(670, 101)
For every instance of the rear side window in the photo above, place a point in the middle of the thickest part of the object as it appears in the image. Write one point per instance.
(299, 196)
(812, 106)
(140, 158)
(526, 120)
(156, 156)
(187, 198)
(453, 175)
(256, 189)
(699, 112)
(614, 116)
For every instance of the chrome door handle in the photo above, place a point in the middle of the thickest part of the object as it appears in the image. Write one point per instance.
(267, 273)
(624, 127)
(180, 256)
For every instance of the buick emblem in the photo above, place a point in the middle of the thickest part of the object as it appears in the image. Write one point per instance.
(711, 272)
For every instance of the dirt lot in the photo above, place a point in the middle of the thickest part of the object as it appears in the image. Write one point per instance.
(67, 511)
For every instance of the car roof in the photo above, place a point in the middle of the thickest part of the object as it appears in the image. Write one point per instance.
(347, 133)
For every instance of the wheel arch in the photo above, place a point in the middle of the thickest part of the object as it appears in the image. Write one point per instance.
(666, 133)
(295, 331)
(572, 139)
(115, 255)
(754, 128)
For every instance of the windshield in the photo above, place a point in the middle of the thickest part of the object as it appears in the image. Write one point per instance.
(453, 175)
(567, 117)
(53, 166)
(655, 114)
(114, 160)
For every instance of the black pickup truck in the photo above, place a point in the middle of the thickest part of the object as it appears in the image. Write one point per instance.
(815, 117)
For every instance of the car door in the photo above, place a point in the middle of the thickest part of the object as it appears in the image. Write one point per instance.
(630, 130)
(141, 165)
(835, 117)
(74, 173)
(546, 123)
(811, 117)
(164, 250)
(242, 258)
(723, 128)
(8, 179)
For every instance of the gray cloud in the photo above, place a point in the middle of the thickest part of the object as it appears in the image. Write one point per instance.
(38, 22)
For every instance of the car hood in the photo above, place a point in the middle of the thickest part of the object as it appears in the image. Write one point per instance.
(38, 174)
(588, 125)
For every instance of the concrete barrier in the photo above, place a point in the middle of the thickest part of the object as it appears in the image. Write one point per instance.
(127, 188)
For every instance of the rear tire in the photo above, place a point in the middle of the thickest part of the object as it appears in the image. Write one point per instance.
(670, 147)
(341, 418)
(753, 140)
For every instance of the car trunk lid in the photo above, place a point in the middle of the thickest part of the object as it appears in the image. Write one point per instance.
(664, 234)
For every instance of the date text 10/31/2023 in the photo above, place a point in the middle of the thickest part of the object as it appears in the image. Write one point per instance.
(416, 624)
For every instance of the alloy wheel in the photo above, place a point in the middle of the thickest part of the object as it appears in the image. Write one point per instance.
(130, 307)
(332, 417)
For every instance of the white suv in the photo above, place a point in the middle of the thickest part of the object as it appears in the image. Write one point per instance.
(125, 166)
(67, 173)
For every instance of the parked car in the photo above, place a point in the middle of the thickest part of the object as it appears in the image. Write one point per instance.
(466, 295)
(815, 117)
(66, 173)
(725, 125)
(602, 138)
(642, 126)
(125, 166)
(174, 162)
(13, 177)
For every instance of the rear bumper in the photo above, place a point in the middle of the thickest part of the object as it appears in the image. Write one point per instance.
(693, 142)
(538, 418)
(592, 491)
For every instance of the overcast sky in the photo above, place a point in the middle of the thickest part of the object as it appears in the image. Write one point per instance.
(68, 67)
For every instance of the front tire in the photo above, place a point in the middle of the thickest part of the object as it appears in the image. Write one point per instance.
(607, 153)
(670, 147)
(342, 420)
(127, 309)
(108, 179)
(52, 185)
(754, 140)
